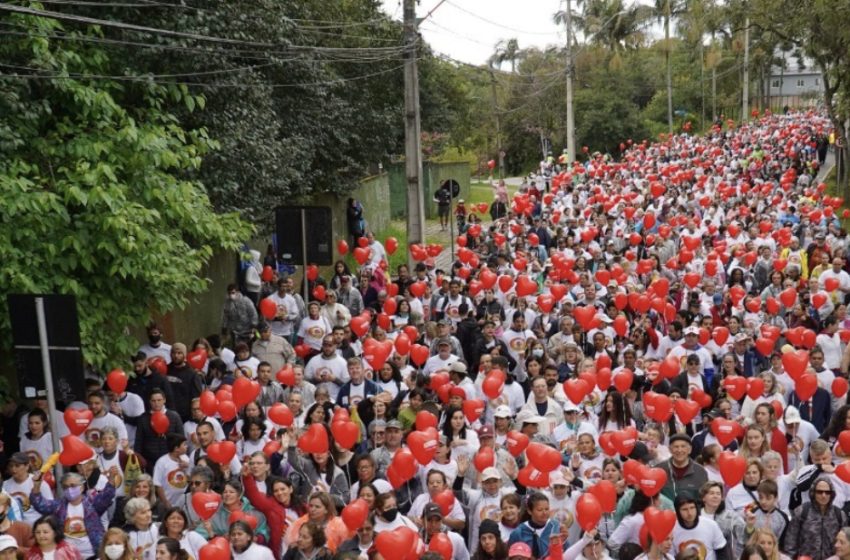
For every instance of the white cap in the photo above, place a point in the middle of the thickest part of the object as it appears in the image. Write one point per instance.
(502, 411)
(557, 479)
(692, 330)
(792, 415)
(536, 419)
(490, 473)
(7, 542)
(570, 406)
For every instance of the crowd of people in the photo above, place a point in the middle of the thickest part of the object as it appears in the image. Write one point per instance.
(642, 357)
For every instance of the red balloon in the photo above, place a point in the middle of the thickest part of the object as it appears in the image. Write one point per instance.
(606, 493)
(516, 442)
(117, 381)
(660, 523)
(222, 452)
(588, 511)
(157, 364)
(404, 463)
(493, 385)
(209, 404)
(805, 386)
(345, 433)
(839, 388)
(485, 457)
(245, 391)
(268, 309)
(442, 545)
(242, 516)
(724, 430)
(159, 422)
(577, 389)
(197, 358)
(396, 544)
(74, 451)
(77, 420)
(732, 467)
(423, 445)
(314, 440)
(624, 441)
(473, 409)
(272, 447)
(623, 380)
(425, 420)
(419, 354)
(355, 514)
(206, 504)
(446, 500)
(286, 375)
(342, 247)
(402, 344)
(652, 480)
(391, 245)
(544, 458)
(212, 551)
(686, 410)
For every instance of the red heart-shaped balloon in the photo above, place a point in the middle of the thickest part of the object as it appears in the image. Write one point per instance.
(314, 440)
(423, 445)
(74, 451)
(77, 419)
(355, 514)
(724, 430)
(516, 442)
(206, 504)
(660, 523)
(652, 480)
(732, 467)
(805, 386)
(222, 452)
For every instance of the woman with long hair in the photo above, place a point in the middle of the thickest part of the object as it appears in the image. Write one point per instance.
(491, 546)
(461, 438)
(755, 444)
(321, 511)
(37, 443)
(389, 378)
(277, 504)
(839, 422)
(317, 470)
(714, 507)
(254, 437)
(744, 493)
(764, 416)
(764, 537)
(233, 501)
(772, 393)
(616, 415)
(340, 269)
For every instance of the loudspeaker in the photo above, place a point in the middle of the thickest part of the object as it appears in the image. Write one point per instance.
(318, 222)
(63, 342)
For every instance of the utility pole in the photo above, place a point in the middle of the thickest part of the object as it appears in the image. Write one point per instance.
(412, 134)
(571, 124)
(745, 107)
(498, 124)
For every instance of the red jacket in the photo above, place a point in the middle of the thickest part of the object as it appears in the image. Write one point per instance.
(64, 551)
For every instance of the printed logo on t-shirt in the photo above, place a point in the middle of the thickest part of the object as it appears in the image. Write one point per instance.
(35, 460)
(23, 499)
(93, 437)
(177, 479)
(517, 344)
(694, 545)
(491, 512)
(593, 473)
(316, 332)
(75, 528)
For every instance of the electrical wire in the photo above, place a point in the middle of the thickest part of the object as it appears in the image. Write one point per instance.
(494, 23)
(39, 74)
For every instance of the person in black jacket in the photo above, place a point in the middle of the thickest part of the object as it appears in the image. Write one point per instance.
(144, 380)
(487, 343)
(185, 382)
(150, 444)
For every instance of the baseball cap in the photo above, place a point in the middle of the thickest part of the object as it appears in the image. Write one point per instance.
(557, 479)
(490, 473)
(742, 337)
(19, 459)
(394, 424)
(791, 416)
(502, 411)
(432, 510)
(444, 341)
(692, 330)
(444, 322)
(520, 549)
(679, 437)
(7, 542)
(536, 419)
(486, 431)
(570, 406)
(458, 367)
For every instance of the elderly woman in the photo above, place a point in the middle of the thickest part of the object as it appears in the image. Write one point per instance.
(76, 511)
(143, 487)
(233, 501)
(141, 529)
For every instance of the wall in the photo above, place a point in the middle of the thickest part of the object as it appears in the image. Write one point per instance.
(433, 174)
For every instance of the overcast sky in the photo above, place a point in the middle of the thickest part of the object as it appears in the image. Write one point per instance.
(468, 30)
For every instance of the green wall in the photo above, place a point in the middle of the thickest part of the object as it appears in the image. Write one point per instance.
(433, 174)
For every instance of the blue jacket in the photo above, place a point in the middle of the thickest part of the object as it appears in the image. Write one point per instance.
(539, 544)
(343, 398)
(820, 410)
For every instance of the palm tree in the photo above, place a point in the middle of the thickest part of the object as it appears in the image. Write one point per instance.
(609, 24)
(506, 51)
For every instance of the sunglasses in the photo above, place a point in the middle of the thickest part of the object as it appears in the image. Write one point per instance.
(197, 482)
(824, 492)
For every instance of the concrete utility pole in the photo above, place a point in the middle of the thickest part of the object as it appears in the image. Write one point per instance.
(745, 107)
(412, 134)
(571, 124)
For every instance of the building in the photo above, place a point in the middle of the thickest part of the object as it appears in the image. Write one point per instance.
(795, 82)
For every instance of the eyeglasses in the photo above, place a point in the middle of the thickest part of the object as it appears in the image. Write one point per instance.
(197, 483)
(824, 492)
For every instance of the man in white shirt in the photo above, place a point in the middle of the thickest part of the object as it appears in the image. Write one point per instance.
(802, 434)
(517, 338)
(695, 532)
(442, 360)
(839, 274)
(103, 418)
(327, 369)
(830, 342)
(286, 319)
(448, 306)
(155, 347)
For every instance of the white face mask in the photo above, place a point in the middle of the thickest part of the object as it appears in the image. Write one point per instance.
(114, 551)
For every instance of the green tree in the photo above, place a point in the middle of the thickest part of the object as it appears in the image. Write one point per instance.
(95, 175)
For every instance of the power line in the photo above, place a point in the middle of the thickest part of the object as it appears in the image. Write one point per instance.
(494, 23)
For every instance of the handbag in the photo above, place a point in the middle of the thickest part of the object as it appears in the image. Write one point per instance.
(132, 472)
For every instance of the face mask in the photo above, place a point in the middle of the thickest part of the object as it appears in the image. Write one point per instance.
(73, 493)
(154, 340)
(114, 551)
(234, 297)
(537, 352)
(390, 514)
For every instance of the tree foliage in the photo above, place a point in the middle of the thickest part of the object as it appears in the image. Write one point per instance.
(95, 176)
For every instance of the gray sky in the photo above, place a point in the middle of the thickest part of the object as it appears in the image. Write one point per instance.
(468, 30)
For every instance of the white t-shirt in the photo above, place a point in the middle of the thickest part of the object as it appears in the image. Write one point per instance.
(287, 308)
(163, 351)
(423, 499)
(313, 331)
(143, 543)
(38, 450)
(75, 531)
(132, 406)
(335, 365)
(706, 537)
(247, 367)
(21, 492)
(253, 552)
(190, 427)
(168, 475)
